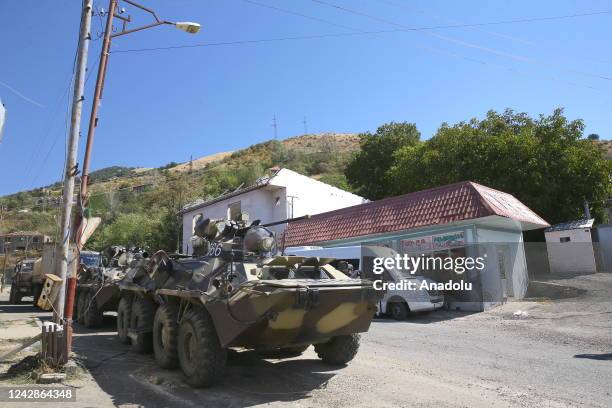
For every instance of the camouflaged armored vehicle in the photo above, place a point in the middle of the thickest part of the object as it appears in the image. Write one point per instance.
(97, 290)
(234, 292)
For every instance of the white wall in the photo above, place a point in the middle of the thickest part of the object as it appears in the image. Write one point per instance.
(574, 256)
(308, 195)
(259, 204)
(313, 196)
(511, 243)
(604, 234)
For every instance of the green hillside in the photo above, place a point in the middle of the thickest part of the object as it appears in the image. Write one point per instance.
(139, 206)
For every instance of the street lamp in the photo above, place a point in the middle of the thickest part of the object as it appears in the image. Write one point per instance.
(111, 14)
(187, 26)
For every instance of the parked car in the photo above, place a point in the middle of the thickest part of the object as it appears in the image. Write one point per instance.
(395, 303)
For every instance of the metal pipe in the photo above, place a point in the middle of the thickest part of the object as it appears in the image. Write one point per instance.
(140, 28)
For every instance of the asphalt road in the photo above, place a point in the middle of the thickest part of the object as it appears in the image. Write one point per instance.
(558, 355)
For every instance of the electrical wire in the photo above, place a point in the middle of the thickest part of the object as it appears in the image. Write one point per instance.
(489, 23)
(52, 147)
(19, 94)
(294, 13)
(463, 43)
(376, 32)
(493, 33)
(357, 32)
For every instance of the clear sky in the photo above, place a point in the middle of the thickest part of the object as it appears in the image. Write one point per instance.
(165, 105)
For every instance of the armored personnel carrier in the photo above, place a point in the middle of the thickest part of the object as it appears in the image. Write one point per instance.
(97, 290)
(235, 292)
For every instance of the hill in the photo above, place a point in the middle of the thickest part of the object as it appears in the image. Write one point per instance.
(119, 191)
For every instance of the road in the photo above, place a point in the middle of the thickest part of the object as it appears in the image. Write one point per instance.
(559, 354)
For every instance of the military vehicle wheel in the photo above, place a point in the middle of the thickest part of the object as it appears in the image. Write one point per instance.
(93, 316)
(201, 357)
(82, 303)
(141, 322)
(165, 336)
(14, 297)
(124, 311)
(397, 310)
(339, 350)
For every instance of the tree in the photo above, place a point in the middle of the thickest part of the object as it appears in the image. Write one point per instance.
(593, 136)
(137, 229)
(366, 172)
(543, 162)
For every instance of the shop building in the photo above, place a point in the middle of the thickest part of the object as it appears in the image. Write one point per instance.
(459, 220)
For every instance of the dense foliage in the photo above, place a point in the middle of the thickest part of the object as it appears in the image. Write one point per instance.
(366, 173)
(543, 161)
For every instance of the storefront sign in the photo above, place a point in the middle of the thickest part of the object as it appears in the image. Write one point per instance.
(416, 244)
(448, 240)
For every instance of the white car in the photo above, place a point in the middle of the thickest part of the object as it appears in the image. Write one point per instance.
(396, 303)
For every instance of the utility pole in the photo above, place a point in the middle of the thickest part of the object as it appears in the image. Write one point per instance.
(67, 261)
(305, 125)
(79, 224)
(111, 14)
(275, 126)
(93, 117)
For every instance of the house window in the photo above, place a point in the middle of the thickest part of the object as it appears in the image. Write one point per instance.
(234, 210)
(194, 222)
(564, 239)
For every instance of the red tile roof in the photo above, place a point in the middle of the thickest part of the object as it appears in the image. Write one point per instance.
(442, 205)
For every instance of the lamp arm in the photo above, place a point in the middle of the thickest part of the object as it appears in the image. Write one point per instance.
(157, 23)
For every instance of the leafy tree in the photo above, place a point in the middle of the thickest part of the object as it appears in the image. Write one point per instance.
(367, 169)
(593, 136)
(543, 162)
(336, 180)
(136, 229)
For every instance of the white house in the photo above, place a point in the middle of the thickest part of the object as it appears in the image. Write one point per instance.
(570, 247)
(285, 194)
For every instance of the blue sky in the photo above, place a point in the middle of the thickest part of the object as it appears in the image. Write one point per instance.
(165, 105)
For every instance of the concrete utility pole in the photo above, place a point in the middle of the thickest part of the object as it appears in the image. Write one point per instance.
(67, 262)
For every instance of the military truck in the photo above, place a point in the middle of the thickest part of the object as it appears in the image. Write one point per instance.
(235, 292)
(23, 281)
(29, 275)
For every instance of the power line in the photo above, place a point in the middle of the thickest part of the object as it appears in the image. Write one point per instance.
(457, 41)
(467, 25)
(294, 13)
(356, 33)
(52, 147)
(493, 33)
(309, 37)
